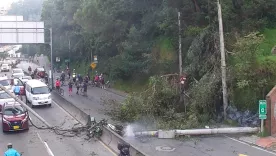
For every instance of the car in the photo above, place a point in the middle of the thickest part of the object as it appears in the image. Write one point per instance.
(37, 93)
(24, 79)
(5, 97)
(40, 72)
(5, 67)
(17, 73)
(4, 81)
(14, 117)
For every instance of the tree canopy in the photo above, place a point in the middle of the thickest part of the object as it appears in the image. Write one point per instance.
(135, 39)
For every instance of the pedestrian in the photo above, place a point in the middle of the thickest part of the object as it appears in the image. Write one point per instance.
(78, 87)
(70, 84)
(84, 89)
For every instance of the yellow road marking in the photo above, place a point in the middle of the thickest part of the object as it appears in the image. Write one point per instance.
(242, 155)
(111, 151)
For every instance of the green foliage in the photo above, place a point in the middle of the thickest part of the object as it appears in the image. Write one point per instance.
(159, 103)
(253, 71)
(137, 39)
(268, 43)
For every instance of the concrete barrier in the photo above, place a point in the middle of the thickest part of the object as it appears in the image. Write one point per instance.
(78, 114)
(109, 137)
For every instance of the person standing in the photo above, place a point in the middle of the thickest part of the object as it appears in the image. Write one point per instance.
(70, 84)
(84, 89)
(78, 87)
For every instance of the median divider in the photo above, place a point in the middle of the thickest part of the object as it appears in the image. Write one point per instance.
(109, 137)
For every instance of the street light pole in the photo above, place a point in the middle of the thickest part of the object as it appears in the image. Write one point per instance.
(223, 63)
(51, 46)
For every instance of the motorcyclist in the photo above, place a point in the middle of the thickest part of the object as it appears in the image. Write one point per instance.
(30, 69)
(74, 75)
(11, 151)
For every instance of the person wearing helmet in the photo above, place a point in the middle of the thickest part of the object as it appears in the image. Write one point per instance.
(11, 151)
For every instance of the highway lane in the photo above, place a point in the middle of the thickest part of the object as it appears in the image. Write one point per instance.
(204, 146)
(58, 145)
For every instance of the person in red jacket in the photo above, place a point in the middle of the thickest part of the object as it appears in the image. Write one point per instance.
(57, 84)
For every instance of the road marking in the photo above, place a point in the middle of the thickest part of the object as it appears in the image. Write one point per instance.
(49, 151)
(242, 155)
(65, 112)
(109, 149)
(256, 147)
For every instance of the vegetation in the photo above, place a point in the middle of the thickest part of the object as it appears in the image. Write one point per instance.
(136, 41)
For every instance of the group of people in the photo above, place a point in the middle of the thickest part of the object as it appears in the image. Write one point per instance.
(81, 83)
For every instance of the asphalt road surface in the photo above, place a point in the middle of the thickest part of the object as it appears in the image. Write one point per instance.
(204, 146)
(45, 142)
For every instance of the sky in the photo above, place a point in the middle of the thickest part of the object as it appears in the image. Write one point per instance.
(6, 3)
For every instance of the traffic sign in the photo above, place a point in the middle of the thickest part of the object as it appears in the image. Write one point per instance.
(57, 59)
(67, 60)
(262, 116)
(93, 65)
(95, 58)
(262, 107)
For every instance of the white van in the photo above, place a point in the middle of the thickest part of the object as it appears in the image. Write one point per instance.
(37, 93)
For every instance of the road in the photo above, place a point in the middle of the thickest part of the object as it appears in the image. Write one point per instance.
(41, 142)
(201, 146)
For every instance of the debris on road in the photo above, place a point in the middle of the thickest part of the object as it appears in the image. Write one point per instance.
(244, 119)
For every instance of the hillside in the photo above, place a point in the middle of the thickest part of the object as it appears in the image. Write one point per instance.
(137, 40)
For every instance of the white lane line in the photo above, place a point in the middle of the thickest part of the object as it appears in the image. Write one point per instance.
(254, 146)
(49, 151)
(65, 112)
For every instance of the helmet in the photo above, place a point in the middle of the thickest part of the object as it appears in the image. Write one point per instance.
(62, 72)
(9, 145)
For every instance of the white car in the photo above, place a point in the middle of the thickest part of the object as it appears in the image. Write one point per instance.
(4, 81)
(24, 79)
(5, 97)
(37, 93)
(17, 73)
(5, 67)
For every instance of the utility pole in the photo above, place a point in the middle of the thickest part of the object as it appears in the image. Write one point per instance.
(223, 64)
(179, 42)
(51, 46)
(69, 52)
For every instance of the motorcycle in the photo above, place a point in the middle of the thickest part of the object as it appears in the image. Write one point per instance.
(96, 130)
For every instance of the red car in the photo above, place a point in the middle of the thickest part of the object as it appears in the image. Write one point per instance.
(14, 117)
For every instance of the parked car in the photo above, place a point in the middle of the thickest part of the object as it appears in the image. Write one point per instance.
(17, 73)
(14, 117)
(5, 68)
